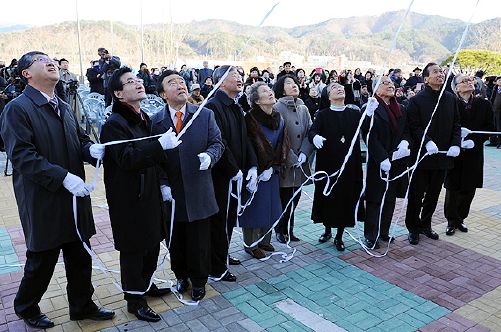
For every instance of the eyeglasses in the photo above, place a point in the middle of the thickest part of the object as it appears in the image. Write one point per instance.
(387, 83)
(44, 60)
(133, 81)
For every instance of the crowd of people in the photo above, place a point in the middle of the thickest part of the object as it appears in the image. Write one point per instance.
(241, 158)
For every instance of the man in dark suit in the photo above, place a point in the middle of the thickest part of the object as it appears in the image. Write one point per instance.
(47, 149)
(133, 191)
(188, 180)
(444, 134)
(238, 157)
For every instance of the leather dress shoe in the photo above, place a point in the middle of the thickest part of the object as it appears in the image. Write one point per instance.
(154, 291)
(234, 261)
(325, 237)
(229, 277)
(413, 238)
(294, 238)
(430, 233)
(462, 228)
(371, 244)
(98, 314)
(266, 247)
(182, 285)
(281, 238)
(387, 238)
(197, 293)
(339, 244)
(450, 230)
(40, 321)
(145, 313)
(256, 253)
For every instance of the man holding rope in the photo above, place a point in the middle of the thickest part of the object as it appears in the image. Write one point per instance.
(188, 180)
(444, 134)
(131, 179)
(238, 157)
(47, 149)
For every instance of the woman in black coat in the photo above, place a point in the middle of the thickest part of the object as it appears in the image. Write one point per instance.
(468, 172)
(331, 133)
(386, 138)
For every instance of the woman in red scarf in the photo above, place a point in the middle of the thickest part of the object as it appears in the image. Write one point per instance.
(387, 143)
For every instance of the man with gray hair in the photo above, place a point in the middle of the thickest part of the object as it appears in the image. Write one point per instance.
(238, 158)
(204, 72)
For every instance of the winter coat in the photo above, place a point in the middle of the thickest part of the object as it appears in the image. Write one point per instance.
(298, 122)
(132, 182)
(444, 131)
(43, 148)
(192, 188)
(468, 171)
(382, 142)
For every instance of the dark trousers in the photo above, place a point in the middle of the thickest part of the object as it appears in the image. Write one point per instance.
(285, 196)
(372, 225)
(457, 205)
(190, 251)
(38, 272)
(221, 233)
(423, 198)
(136, 269)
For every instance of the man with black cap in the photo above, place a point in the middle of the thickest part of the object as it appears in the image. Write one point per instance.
(415, 79)
(47, 149)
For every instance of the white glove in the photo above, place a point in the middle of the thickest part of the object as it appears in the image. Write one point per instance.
(465, 132)
(402, 151)
(372, 105)
(239, 176)
(75, 185)
(252, 180)
(266, 175)
(300, 160)
(385, 165)
(169, 140)
(97, 151)
(467, 144)
(431, 147)
(204, 161)
(166, 193)
(453, 151)
(318, 141)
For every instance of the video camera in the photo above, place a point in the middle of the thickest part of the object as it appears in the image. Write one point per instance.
(71, 87)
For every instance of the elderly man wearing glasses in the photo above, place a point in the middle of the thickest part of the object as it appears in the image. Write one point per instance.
(132, 185)
(468, 172)
(47, 149)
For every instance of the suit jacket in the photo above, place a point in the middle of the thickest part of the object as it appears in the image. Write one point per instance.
(192, 188)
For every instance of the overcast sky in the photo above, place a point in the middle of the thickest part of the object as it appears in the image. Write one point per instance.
(288, 13)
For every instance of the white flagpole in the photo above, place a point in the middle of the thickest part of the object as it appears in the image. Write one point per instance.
(142, 34)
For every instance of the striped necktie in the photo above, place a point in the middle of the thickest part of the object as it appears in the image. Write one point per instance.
(54, 103)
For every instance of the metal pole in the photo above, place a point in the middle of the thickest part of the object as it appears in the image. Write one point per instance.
(82, 80)
(112, 36)
(142, 34)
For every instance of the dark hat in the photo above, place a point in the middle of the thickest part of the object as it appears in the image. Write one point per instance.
(417, 68)
(254, 69)
(27, 60)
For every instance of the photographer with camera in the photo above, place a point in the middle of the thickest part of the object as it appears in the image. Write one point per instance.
(107, 65)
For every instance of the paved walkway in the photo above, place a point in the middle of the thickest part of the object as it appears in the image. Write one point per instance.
(453, 284)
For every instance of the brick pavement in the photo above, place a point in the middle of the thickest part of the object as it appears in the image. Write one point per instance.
(453, 284)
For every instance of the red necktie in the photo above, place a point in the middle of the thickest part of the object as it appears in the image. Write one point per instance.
(179, 122)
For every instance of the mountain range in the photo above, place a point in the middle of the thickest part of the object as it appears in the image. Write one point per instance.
(367, 38)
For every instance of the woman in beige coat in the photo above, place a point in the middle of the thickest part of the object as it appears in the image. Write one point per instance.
(297, 122)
